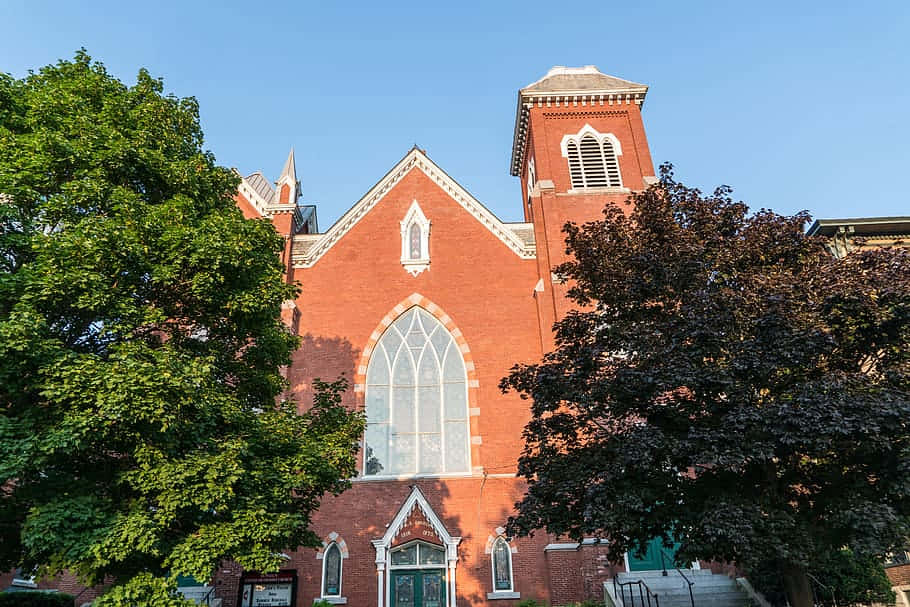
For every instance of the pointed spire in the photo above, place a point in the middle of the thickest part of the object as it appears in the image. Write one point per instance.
(288, 186)
(290, 168)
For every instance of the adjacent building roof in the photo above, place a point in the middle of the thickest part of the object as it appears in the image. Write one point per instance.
(261, 186)
(862, 226)
(569, 86)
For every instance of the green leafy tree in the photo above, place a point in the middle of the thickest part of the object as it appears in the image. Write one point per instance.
(143, 429)
(726, 381)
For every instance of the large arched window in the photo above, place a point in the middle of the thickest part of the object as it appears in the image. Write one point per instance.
(593, 159)
(331, 571)
(416, 401)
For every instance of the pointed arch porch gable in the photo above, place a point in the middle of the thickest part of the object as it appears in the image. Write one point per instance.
(382, 545)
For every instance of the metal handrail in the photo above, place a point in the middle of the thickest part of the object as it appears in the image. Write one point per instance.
(644, 593)
(828, 588)
(207, 599)
(663, 563)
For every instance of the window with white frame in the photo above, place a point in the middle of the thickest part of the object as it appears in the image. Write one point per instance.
(593, 159)
(415, 240)
(331, 571)
(416, 401)
(502, 566)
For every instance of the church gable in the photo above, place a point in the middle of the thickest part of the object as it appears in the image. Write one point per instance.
(517, 237)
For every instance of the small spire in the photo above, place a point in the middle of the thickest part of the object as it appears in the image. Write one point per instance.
(290, 169)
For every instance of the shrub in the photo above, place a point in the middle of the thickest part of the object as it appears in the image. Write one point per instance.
(36, 599)
(532, 603)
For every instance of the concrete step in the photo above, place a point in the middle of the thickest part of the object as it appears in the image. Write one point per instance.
(708, 589)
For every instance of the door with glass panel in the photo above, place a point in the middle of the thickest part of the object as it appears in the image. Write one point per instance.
(418, 576)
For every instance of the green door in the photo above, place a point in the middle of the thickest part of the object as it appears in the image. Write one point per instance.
(418, 588)
(655, 557)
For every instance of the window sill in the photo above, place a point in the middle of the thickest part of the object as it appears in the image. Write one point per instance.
(405, 477)
(492, 596)
(334, 600)
(605, 190)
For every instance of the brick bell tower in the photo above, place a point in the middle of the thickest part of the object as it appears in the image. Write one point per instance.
(579, 144)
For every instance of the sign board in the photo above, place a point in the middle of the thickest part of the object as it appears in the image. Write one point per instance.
(276, 590)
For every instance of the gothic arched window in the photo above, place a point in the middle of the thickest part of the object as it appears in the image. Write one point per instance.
(415, 240)
(502, 566)
(331, 571)
(416, 401)
(593, 159)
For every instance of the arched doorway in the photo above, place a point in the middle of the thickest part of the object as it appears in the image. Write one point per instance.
(417, 575)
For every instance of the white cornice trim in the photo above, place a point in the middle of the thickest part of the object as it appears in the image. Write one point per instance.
(262, 206)
(526, 101)
(415, 159)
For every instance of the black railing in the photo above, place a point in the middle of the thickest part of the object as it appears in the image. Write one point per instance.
(663, 562)
(830, 590)
(645, 595)
(207, 599)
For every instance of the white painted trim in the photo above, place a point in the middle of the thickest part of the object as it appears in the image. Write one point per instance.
(587, 129)
(415, 159)
(405, 477)
(561, 546)
(502, 594)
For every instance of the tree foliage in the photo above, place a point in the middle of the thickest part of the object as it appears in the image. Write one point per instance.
(723, 378)
(143, 431)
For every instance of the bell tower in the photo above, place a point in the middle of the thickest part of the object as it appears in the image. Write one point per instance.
(579, 145)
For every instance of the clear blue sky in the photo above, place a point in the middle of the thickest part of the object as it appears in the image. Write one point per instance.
(794, 104)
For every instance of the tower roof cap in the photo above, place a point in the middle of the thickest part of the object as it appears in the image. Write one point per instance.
(587, 79)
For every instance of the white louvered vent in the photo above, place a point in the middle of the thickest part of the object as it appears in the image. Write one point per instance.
(593, 161)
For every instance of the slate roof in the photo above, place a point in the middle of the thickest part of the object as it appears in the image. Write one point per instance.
(562, 79)
(261, 185)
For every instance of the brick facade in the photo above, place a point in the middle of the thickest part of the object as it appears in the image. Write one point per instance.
(498, 305)
(490, 285)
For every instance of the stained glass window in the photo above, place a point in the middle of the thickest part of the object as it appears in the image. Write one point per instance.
(332, 571)
(502, 566)
(415, 238)
(416, 400)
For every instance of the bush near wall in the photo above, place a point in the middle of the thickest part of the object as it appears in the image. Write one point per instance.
(35, 599)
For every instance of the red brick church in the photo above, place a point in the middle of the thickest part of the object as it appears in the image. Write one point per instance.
(425, 299)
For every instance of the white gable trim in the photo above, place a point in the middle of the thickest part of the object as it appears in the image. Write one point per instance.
(414, 159)
(262, 206)
(417, 500)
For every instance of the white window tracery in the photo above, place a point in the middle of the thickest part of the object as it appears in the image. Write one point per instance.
(416, 401)
(415, 240)
(593, 159)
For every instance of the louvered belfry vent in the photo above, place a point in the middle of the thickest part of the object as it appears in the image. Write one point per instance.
(593, 162)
